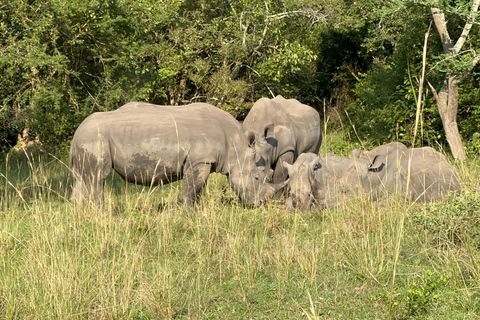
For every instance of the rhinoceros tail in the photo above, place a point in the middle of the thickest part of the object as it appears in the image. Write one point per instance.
(70, 164)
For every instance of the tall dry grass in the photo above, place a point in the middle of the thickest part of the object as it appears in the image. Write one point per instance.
(147, 257)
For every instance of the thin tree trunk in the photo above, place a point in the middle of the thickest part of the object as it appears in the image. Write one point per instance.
(447, 103)
(447, 98)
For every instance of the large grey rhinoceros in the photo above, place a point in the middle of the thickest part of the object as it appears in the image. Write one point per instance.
(150, 145)
(284, 129)
(380, 171)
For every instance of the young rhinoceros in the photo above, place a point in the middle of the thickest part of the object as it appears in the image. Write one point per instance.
(314, 179)
(154, 145)
(383, 170)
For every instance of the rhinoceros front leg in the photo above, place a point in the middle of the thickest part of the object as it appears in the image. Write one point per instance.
(194, 179)
(280, 174)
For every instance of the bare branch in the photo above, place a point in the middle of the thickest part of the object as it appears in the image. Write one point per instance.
(314, 15)
(475, 61)
(258, 74)
(454, 56)
(434, 91)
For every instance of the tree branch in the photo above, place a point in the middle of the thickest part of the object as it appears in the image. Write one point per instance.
(313, 14)
(434, 91)
(441, 24)
(468, 26)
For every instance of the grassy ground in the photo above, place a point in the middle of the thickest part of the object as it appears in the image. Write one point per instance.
(145, 257)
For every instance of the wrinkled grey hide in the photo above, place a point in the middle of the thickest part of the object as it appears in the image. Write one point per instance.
(284, 129)
(151, 145)
(326, 180)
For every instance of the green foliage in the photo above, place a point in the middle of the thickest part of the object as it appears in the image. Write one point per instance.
(63, 60)
(421, 296)
(386, 108)
(469, 112)
(453, 221)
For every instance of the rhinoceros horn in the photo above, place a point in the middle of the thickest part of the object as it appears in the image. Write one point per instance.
(268, 175)
(273, 188)
(289, 168)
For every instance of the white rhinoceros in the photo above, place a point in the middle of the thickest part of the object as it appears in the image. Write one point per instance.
(383, 170)
(150, 145)
(314, 179)
(387, 168)
(289, 129)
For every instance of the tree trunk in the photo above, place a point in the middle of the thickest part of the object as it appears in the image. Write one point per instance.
(447, 98)
(447, 103)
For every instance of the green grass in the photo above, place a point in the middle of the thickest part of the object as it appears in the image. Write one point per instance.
(146, 257)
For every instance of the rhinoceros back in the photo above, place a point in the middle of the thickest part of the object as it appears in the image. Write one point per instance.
(151, 144)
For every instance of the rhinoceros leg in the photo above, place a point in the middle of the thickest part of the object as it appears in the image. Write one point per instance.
(194, 179)
(280, 174)
(90, 171)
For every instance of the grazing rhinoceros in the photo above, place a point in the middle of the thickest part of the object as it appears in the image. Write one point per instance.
(289, 129)
(151, 145)
(381, 170)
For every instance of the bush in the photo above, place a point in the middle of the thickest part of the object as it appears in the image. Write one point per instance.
(454, 220)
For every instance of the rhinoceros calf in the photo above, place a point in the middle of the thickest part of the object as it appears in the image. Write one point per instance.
(151, 145)
(382, 170)
(314, 179)
(288, 127)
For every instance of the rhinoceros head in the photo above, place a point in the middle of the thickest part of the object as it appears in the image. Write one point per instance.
(250, 181)
(301, 175)
(263, 145)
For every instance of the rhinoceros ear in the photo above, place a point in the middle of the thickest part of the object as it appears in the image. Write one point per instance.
(315, 164)
(251, 138)
(377, 163)
(267, 131)
(356, 153)
(289, 168)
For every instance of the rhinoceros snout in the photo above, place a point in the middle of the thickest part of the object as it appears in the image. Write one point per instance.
(295, 203)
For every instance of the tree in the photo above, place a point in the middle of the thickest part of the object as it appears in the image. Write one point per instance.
(447, 97)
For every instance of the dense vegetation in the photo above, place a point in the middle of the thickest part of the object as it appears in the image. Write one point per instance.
(356, 61)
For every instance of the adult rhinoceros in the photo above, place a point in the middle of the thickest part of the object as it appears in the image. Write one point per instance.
(288, 127)
(385, 169)
(151, 145)
(382, 170)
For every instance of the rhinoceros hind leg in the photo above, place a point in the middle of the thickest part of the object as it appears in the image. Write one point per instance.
(194, 179)
(90, 172)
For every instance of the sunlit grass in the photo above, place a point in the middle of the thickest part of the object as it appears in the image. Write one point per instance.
(145, 256)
